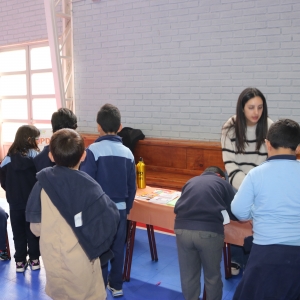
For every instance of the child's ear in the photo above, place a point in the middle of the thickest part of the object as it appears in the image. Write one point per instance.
(268, 145)
(51, 157)
(298, 149)
(99, 128)
(120, 128)
(83, 156)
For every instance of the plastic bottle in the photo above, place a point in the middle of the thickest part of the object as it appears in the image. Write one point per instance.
(141, 174)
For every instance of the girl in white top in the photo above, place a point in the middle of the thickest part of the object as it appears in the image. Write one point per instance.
(243, 135)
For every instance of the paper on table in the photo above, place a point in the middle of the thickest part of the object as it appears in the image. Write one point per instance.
(173, 202)
(225, 217)
(160, 200)
(164, 198)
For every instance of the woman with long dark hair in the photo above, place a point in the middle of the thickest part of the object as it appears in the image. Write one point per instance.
(243, 148)
(243, 135)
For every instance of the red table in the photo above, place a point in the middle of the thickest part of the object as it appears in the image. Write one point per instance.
(163, 216)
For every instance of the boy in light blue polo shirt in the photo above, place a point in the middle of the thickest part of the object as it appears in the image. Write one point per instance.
(270, 196)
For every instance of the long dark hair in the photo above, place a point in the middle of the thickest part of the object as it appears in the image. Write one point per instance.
(25, 140)
(239, 125)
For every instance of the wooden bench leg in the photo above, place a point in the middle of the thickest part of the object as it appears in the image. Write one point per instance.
(152, 243)
(7, 246)
(129, 250)
(227, 260)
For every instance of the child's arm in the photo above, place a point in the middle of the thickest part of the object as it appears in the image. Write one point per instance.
(244, 199)
(3, 178)
(33, 207)
(89, 165)
(3, 168)
(229, 194)
(131, 188)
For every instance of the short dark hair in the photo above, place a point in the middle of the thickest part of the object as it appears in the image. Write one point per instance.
(66, 147)
(63, 118)
(216, 170)
(284, 133)
(109, 118)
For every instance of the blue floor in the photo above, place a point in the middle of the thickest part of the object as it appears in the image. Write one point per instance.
(149, 280)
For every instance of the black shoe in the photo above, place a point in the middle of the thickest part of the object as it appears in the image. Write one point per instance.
(3, 255)
(21, 266)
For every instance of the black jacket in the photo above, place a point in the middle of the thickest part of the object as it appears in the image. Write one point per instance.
(17, 175)
(73, 192)
(202, 200)
(42, 160)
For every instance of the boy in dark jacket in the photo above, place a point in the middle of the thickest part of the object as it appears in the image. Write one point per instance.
(112, 165)
(200, 213)
(63, 118)
(75, 219)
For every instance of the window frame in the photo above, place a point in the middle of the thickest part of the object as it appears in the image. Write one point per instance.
(29, 97)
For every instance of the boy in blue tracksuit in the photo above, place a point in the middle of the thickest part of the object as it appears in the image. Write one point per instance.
(112, 165)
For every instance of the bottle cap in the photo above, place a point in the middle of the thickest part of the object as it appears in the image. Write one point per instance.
(141, 159)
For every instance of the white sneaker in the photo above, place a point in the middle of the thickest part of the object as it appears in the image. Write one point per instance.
(235, 268)
(115, 293)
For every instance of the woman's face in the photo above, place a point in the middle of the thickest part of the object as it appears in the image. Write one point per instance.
(253, 110)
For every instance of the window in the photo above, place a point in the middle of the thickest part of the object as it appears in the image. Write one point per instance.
(27, 94)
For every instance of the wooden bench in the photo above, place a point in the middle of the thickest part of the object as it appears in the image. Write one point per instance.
(171, 163)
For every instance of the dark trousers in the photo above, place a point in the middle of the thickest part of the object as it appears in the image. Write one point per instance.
(115, 277)
(272, 272)
(3, 228)
(23, 237)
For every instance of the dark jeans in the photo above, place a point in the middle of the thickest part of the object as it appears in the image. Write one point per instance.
(23, 237)
(3, 228)
(115, 277)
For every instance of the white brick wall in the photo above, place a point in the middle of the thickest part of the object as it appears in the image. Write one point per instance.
(175, 68)
(22, 21)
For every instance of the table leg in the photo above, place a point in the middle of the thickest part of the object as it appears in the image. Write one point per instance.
(204, 294)
(129, 250)
(152, 243)
(7, 246)
(227, 260)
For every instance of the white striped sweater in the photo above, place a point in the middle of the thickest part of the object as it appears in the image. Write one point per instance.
(238, 165)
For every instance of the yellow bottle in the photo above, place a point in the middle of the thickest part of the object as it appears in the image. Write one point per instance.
(141, 174)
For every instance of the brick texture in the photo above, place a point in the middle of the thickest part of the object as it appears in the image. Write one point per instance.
(175, 68)
(22, 21)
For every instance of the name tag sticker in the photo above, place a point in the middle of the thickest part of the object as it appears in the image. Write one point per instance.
(78, 219)
(225, 217)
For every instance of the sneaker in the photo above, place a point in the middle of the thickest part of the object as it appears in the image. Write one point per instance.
(35, 264)
(3, 255)
(235, 268)
(115, 293)
(21, 266)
